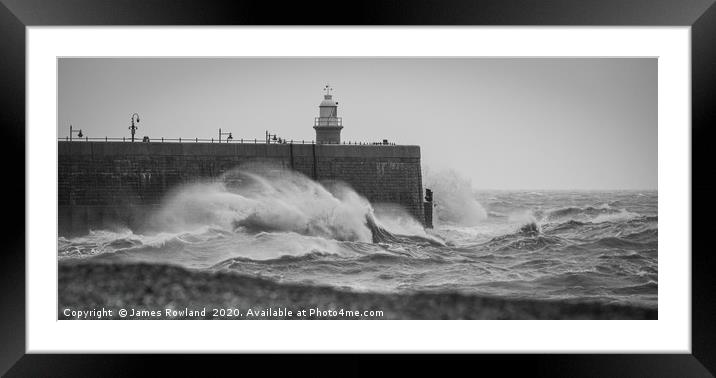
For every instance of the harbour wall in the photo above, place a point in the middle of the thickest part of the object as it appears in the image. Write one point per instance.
(106, 184)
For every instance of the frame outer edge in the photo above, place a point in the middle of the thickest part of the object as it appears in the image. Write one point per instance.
(703, 265)
(12, 255)
(12, 118)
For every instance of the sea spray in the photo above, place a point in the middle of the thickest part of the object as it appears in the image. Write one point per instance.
(454, 198)
(259, 198)
(396, 219)
(274, 201)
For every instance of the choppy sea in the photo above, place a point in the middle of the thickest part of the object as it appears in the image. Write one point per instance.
(597, 246)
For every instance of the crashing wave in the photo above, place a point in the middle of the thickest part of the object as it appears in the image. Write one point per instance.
(382, 235)
(454, 198)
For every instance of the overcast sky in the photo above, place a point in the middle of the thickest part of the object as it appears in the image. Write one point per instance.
(504, 123)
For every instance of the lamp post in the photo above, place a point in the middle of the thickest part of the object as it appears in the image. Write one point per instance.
(133, 128)
(227, 139)
(270, 137)
(79, 132)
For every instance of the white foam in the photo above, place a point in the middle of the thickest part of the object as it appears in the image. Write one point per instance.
(454, 199)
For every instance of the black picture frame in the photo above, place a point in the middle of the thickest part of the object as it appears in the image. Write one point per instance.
(700, 15)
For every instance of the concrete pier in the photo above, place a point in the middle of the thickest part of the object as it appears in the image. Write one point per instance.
(103, 184)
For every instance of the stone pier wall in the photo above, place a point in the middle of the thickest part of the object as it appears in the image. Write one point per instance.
(104, 184)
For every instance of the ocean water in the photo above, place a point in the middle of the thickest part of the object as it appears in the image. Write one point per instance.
(596, 246)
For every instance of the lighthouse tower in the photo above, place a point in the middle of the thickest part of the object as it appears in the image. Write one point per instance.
(328, 125)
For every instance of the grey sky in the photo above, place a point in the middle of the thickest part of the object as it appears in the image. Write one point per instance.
(504, 123)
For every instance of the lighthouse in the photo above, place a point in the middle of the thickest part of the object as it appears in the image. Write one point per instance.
(328, 125)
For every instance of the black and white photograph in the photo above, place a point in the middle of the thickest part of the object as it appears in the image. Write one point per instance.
(524, 184)
(357, 188)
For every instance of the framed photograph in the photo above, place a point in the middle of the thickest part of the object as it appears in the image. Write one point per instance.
(404, 177)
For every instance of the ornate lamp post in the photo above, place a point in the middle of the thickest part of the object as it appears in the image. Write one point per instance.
(79, 133)
(133, 128)
(227, 139)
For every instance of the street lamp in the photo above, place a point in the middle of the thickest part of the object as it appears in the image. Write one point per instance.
(79, 133)
(227, 139)
(133, 128)
(270, 137)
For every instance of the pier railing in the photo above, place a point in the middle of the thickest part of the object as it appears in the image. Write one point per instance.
(214, 140)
